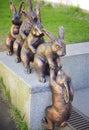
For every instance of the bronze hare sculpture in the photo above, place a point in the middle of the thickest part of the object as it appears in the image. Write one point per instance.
(30, 45)
(48, 54)
(25, 29)
(62, 95)
(14, 30)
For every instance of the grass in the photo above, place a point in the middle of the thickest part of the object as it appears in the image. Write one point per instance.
(21, 124)
(75, 21)
(5, 90)
(15, 113)
(5, 16)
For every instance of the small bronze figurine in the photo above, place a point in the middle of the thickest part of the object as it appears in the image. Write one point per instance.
(30, 45)
(16, 23)
(30, 17)
(62, 95)
(23, 32)
(48, 54)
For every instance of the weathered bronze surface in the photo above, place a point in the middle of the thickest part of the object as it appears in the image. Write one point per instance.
(48, 54)
(62, 95)
(16, 23)
(23, 32)
(30, 45)
(33, 40)
(26, 40)
(30, 17)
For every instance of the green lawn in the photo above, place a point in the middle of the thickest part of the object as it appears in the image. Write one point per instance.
(75, 22)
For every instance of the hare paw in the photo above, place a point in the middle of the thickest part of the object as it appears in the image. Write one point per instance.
(27, 70)
(17, 60)
(63, 124)
(44, 120)
(46, 125)
(9, 53)
(42, 79)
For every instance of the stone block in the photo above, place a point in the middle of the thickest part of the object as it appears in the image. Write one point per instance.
(32, 97)
(76, 64)
(27, 93)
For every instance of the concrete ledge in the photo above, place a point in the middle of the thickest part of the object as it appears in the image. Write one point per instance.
(26, 92)
(76, 64)
(77, 49)
(29, 95)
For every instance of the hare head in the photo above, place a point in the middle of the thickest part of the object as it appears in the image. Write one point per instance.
(16, 19)
(33, 15)
(36, 13)
(37, 29)
(57, 48)
(58, 44)
(34, 18)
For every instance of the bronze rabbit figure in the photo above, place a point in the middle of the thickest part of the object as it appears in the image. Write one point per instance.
(16, 23)
(48, 54)
(62, 95)
(25, 29)
(34, 39)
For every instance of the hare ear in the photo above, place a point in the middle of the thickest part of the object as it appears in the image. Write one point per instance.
(61, 32)
(12, 7)
(24, 13)
(30, 5)
(21, 7)
(38, 12)
(66, 93)
(49, 35)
